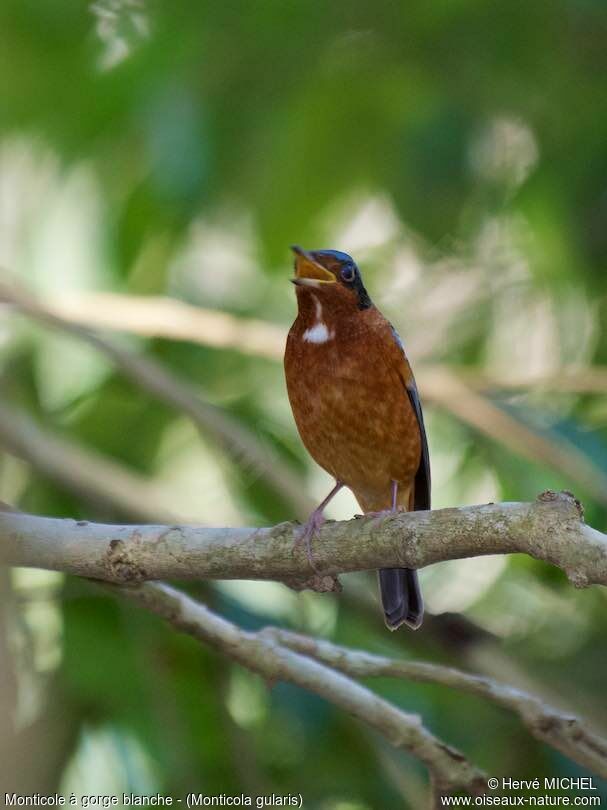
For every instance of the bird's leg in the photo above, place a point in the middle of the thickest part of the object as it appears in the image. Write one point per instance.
(314, 523)
(394, 495)
(382, 513)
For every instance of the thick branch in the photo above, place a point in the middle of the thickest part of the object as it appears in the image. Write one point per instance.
(449, 769)
(564, 732)
(551, 528)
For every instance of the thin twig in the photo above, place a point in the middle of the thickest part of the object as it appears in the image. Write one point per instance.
(449, 769)
(88, 474)
(173, 319)
(565, 732)
(568, 379)
(451, 393)
(164, 317)
(457, 392)
(241, 445)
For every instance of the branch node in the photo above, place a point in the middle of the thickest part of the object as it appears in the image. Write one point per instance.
(579, 579)
(120, 565)
(565, 496)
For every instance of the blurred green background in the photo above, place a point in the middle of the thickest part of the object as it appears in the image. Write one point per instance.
(174, 150)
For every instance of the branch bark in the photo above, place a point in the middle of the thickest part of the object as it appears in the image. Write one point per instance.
(550, 528)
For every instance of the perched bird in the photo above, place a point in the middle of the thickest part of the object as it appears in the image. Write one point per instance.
(357, 408)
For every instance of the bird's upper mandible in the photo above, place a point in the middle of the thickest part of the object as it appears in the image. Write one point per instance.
(333, 275)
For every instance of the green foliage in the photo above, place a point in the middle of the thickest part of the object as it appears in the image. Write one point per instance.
(458, 150)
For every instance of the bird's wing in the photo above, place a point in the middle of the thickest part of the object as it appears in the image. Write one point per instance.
(421, 494)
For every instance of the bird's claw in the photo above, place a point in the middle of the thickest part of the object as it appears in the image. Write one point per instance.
(307, 533)
(382, 514)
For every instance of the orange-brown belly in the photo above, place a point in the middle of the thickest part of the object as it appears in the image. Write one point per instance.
(354, 417)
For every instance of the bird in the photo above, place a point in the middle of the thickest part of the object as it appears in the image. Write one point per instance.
(357, 408)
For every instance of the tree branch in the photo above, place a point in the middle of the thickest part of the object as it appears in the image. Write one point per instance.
(449, 769)
(171, 318)
(174, 319)
(564, 732)
(551, 529)
(439, 385)
(444, 388)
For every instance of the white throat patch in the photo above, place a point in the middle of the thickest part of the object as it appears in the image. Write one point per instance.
(319, 332)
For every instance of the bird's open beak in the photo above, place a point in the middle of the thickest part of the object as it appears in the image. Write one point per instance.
(308, 272)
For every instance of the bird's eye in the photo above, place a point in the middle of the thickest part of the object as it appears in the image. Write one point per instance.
(347, 273)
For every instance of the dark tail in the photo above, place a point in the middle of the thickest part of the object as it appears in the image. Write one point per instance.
(401, 597)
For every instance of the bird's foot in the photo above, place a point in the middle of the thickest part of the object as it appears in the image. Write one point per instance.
(382, 514)
(307, 533)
